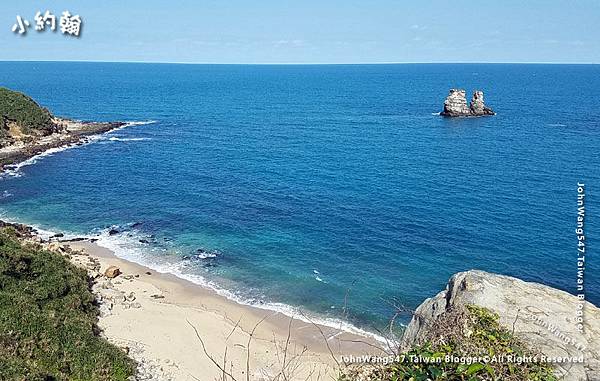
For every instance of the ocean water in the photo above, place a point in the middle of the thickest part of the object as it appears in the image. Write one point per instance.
(312, 187)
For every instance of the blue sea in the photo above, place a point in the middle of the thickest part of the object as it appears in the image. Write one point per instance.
(311, 187)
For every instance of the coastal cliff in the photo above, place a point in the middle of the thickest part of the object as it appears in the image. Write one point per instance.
(20, 112)
(455, 104)
(541, 316)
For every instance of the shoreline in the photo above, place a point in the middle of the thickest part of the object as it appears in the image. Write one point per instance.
(70, 133)
(185, 293)
(112, 243)
(99, 240)
(178, 330)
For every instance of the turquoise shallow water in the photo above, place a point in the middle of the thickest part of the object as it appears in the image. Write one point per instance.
(298, 183)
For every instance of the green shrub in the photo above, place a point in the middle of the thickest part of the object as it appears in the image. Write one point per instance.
(48, 320)
(472, 332)
(25, 112)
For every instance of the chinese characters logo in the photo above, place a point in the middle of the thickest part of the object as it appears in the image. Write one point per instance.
(69, 24)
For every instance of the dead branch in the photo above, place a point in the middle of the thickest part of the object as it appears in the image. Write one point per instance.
(207, 354)
(225, 364)
(248, 346)
(324, 338)
(287, 342)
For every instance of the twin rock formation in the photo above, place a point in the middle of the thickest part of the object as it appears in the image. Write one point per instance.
(456, 104)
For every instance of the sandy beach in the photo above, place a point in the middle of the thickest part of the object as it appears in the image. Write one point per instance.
(178, 330)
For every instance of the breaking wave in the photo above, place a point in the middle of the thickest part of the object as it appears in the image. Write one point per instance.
(126, 245)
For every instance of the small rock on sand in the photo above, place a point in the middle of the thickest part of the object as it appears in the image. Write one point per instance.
(112, 272)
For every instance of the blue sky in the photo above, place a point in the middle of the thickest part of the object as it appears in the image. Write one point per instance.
(308, 31)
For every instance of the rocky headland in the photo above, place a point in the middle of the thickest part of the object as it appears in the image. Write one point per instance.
(455, 104)
(27, 129)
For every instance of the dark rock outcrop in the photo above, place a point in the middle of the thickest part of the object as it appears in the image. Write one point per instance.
(21, 231)
(455, 104)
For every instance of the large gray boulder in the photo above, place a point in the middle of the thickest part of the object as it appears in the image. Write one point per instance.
(455, 104)
(543, 317)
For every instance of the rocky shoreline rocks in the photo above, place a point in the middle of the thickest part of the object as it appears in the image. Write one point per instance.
(455, 104)
(68, 132)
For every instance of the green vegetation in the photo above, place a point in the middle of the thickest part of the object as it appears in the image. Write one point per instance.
(24, 111)
(48, 319)
(473, 333)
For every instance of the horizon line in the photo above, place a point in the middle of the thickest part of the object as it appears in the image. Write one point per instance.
(315, 63)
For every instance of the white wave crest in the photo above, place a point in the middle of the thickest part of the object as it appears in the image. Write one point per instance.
(42, 232)
(207, 254)
(133, 123)
(139, 122)
(14, 170)
(119, 139)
